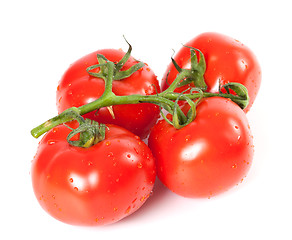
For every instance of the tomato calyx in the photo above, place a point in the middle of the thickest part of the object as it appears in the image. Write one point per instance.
(90, 132)
(179, 119)
(231, 88)
(118, 74)
(196, 72)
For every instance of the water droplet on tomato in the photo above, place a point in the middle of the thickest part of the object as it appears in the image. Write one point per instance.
(187, 138)
(110, 154)
(139, 165)
(234, 166)
(142, 199)
(76, 188)
(136, 150)
(128, 155)
(51, 142)
(71, 180)
(128, 210)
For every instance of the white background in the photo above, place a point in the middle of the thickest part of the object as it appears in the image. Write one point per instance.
(39, 39)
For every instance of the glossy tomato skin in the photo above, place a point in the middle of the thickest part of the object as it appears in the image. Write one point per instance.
(227, 60)
(95, 186)
(77, 88)
(208, 156)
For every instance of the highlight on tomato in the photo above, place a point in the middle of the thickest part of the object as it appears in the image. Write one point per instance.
(98, 185)
(208, 156)
(226, 60)
(78, 87)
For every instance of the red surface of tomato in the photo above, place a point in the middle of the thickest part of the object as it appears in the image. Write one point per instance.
(77, 88)
(208, 156)
(227, 60)
(93, 186)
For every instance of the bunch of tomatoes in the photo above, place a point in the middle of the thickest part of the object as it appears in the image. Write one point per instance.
(111, 172)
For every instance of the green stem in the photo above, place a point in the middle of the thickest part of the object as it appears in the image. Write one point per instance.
(167, 99)
(183, 74)
(109, 99)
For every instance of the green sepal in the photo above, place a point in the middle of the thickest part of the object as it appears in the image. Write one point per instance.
(117, 74)
(195, 75)
(240, 91)
(91, 133)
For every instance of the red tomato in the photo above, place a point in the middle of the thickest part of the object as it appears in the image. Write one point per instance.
(208, 156)
(93, 186)
(227, 60)
(77, 88)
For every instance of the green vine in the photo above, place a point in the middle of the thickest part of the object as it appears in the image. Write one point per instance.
(92, 132)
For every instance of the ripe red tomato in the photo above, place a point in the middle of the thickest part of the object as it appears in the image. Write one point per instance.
(227, 60)
(77, 88)
(208, 156)
(93, 186)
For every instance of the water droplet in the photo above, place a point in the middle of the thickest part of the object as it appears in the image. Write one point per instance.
(128, 155)
(110, 154)
(234, 166)
(128, 210)
(71, 180)
(236, 127)
(142, 199)
(107, 143)
(76, 188)
(139, 165)
(137, 137)
(51, 142)
(187, 138)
